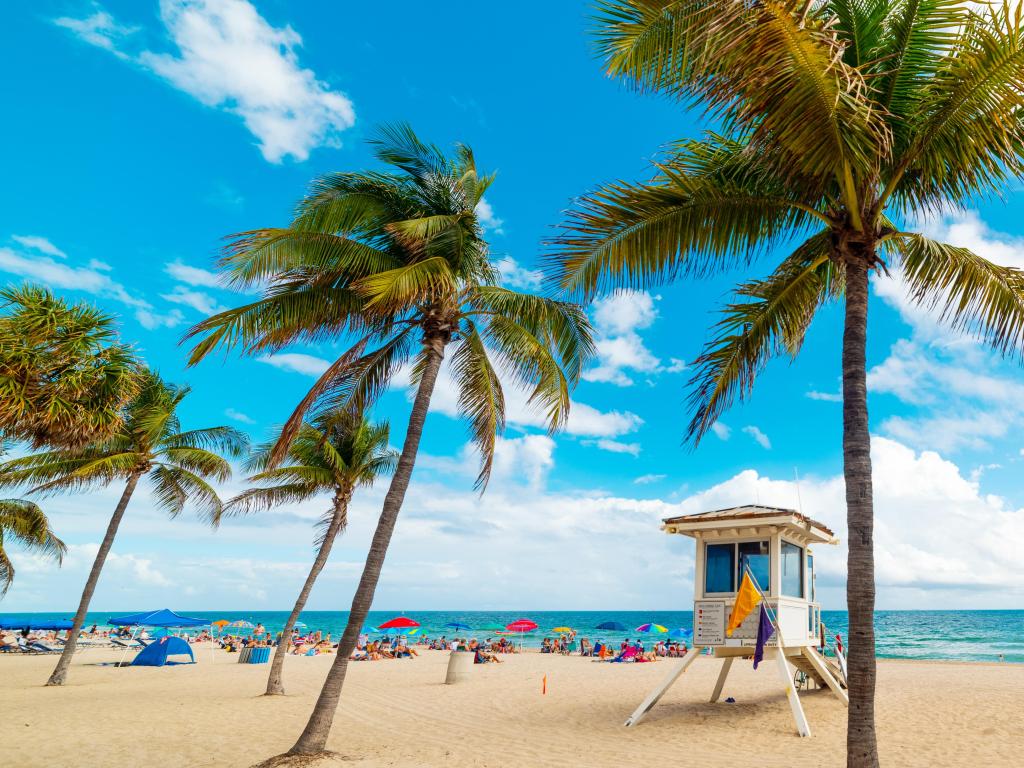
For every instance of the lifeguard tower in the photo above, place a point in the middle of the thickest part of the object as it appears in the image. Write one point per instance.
(773, 545)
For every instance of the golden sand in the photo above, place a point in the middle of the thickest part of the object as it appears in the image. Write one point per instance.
(398, 713)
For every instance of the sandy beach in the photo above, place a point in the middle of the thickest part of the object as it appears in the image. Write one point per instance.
(398, 713)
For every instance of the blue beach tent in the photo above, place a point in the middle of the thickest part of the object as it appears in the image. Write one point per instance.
(155, 654)
(162, 618)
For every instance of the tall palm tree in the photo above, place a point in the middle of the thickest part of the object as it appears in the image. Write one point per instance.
(840, 122)
(148, 444)
(336, 455)
(24, 522)
(398, 262)
(64, 376)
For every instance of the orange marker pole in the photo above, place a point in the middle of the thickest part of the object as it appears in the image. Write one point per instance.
(544, 686)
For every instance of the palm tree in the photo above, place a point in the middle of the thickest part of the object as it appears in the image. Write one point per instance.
(840, 122)
(150, 444)
(24, 522)
(64, 376)
(397, 260)
(336, 455)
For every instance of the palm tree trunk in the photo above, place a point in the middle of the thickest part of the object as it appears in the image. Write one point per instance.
(275, 686)
(60, 672)
(314, 738)
(861, 743)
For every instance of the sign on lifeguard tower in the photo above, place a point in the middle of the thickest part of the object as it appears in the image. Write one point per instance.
(772, 548)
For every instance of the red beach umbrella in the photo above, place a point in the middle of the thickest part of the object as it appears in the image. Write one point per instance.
(399, 622)
(521, 625)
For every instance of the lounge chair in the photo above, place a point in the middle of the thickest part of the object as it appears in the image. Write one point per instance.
(136, 644)
(629, 654)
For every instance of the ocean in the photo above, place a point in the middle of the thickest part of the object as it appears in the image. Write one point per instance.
(955, 635)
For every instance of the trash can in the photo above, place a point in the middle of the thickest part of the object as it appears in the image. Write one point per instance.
(244, 654)
(259, 655)
(459, 664)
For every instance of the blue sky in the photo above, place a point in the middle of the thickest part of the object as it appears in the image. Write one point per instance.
(141, 133)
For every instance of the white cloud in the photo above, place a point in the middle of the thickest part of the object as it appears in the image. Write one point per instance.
(202, 303)
(828, 397)
(231, 413)
(92, 280)
(41, 244)
(99, 29)
(759, 436)
(676, 365)
(308, 365)
(229, 57)
(614, 446)
(487, 218)
(959, 403)
(192, 275)
(151, 320)
(722, 432)
(102, 266)
(515, 276)
(617, 320)
(648, 479)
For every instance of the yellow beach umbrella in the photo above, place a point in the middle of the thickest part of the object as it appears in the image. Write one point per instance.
(562, 629)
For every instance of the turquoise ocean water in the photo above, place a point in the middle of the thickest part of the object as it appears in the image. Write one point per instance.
(957, 635)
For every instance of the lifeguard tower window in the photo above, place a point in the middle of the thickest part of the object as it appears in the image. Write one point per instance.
(720, 567)
(792, 570)
(754, 554)
(723, 570)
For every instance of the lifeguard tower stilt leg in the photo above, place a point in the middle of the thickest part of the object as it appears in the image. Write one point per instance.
(652, 698)
(726, 666)
(786, 675)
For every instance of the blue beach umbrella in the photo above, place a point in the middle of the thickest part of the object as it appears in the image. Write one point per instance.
(682, 633)
(458, 625)
(612, 626)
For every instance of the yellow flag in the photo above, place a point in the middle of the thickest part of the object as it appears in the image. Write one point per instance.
(746, 601)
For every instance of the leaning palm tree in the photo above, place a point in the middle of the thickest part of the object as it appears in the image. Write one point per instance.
(397, 262)
(64, 375)
(840, 123)
(24, 523)
(150, 444)
(334, 456)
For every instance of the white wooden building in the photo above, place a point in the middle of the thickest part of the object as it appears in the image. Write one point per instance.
(774, 546)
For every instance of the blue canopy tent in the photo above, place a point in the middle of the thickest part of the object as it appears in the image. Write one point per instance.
(24, 622)
(162, 618)
(155, 654)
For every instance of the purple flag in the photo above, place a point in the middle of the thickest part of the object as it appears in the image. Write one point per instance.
(764, 631)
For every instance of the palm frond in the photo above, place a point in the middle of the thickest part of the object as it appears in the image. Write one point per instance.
(772, 317)
(971, 293)
(24, 523)
(481, 399)
(174, 487)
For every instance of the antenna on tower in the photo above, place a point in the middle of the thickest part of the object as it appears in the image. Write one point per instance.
(799, 501)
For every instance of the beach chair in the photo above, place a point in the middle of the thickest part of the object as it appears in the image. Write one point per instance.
(40, 647)
(134, 644)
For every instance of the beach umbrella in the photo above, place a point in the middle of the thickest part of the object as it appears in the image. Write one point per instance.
(612, 626)
(682, 632)
(29, 623)
(219, 624)
(242, 624)
(493, 628)
(651, 628)
(399, 622)
(458, 626)
(521, 626)
(562, 629)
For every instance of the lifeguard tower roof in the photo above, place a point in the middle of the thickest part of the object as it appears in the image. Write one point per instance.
(752, 516)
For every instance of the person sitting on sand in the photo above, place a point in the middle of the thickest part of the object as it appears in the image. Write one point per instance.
(482, 657)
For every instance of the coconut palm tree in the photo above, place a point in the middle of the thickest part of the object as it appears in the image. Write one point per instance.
(149, 444)
(64, 376)
(336, 455)
(24, 522)
(840, 122)
(397, 262)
